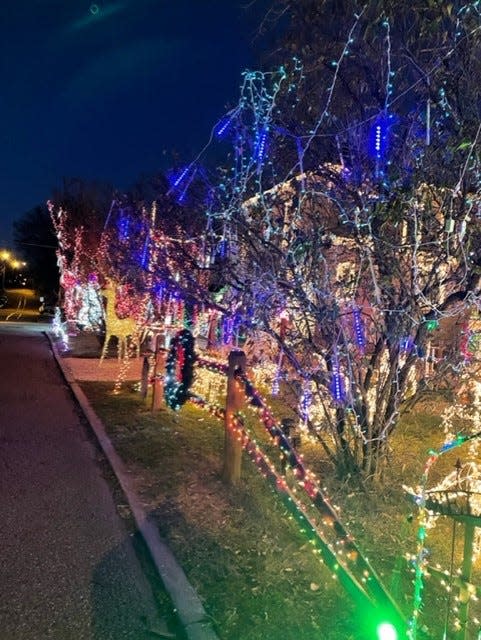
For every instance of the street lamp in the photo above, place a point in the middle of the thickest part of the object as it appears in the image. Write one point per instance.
(4, 255)
(6, 259)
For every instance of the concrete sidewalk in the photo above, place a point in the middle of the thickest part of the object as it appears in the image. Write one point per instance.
(188, 606)
(68, 568)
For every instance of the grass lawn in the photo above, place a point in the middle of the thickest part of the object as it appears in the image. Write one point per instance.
(254, 570)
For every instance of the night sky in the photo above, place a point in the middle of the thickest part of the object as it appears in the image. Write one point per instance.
(107, 91)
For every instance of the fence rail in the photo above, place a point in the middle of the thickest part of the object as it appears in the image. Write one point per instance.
(318, 517)
(310, 506)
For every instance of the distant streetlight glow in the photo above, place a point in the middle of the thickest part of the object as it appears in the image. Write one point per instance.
(8, 261)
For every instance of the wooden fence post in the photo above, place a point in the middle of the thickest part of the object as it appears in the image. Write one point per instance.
(234, 401)
(464, 595)
(157, 385)
(144, 380)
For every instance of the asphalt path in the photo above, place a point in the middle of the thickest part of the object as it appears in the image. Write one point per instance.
(22, 304)
(68, 568)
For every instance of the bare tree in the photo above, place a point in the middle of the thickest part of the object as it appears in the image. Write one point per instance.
(351, 213)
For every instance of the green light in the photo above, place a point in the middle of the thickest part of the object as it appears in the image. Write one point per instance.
(431, 325)
(386, 631)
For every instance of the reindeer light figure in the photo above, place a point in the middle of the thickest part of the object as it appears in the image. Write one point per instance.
(121, 328)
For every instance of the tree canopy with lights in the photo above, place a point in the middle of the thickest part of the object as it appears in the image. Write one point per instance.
(344, 226)
(349, 220)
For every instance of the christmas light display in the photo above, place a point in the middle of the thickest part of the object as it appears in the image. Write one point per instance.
(305, 403)
(222, 128)
(59, 329)
(458, 494)
(432, 325)
(179, 369)
(363, 233)
(295, 226)
(283, 219)
(81, 302)
(318, 519)
(122, 328)
(359, 329)
(90, 313)
(387, 631)
(337, 383)
(69, 278)
(211, 384)
(420, 560)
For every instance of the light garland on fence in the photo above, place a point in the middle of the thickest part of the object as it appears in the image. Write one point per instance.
(341, 555)
(179, 369)
(306, 480)
(214, 410)
(212, 384)
(464, 482)
(420, 561)
(213, 365)
(267, 469)
(326, 552)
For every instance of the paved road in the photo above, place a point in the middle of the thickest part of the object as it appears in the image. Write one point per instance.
(68, 570)
(23, 304)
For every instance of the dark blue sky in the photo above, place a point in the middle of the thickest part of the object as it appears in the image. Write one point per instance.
(107, 90)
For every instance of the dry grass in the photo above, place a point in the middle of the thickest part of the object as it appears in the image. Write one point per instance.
(250, 564)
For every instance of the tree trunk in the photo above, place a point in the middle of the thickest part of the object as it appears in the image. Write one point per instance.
(235, 400)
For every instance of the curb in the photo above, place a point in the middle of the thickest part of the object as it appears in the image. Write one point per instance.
(188, 606)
